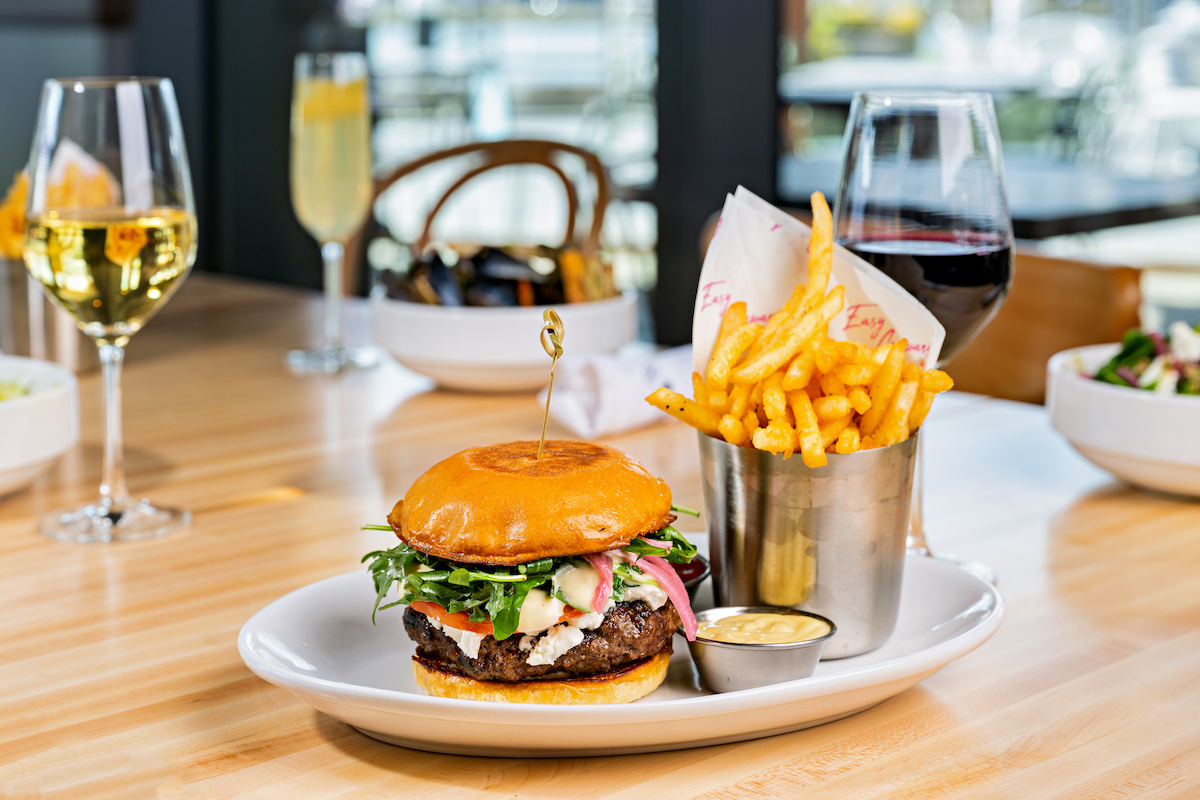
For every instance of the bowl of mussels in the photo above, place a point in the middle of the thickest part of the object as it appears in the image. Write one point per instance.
(470, 317)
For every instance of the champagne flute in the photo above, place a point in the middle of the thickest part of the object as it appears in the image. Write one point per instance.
(331, 184)
(110, 234)
(922, 198)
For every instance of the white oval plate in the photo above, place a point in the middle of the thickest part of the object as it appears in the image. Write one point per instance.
(318, 642)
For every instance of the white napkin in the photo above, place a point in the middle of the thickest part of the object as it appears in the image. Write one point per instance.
(597, 395)
(758, 255)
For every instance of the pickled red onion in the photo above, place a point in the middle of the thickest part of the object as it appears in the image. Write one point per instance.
(669, 580)
(659, 543)
(603, 565)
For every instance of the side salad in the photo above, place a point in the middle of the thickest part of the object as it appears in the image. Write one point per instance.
(1169, 364)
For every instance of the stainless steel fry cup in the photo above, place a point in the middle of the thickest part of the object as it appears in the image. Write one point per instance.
(829, 540)
(729, 666)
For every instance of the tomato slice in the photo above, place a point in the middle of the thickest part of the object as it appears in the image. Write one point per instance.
(461, 620)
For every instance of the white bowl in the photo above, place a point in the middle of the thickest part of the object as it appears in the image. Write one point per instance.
(1145, 438)
(39, 427)
(495, 349)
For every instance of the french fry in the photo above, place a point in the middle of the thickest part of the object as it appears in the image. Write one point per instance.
(919, 410)
(859, 398)
(699, 392)
(936, 381)
(800, 371)
(726, 355)
(732, 429)
(733, 318)
(910, 372)
(830, 431)
(831, 386)
(856, 374)
(750, 423)
(777, 437)
(883, 387)
(868, 443)
(778, 321)
(739, 398)
(689, 411)
(894, 427)
(831, 408)
(854, 353)
(787, 347)
(718, 400)
(848, 441)
(808, 432)
(820, 252)
(813, 388)
(773, 399)
(826, 355)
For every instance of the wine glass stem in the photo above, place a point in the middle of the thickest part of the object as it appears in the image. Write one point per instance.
(916, 520)
(114, 495)
(331, 253)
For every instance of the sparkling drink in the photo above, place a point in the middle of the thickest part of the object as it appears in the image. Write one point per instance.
(331, 156)
(331, 185)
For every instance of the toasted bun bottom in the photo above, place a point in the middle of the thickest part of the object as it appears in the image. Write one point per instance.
(620, 686)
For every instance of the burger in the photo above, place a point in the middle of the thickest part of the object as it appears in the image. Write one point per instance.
(537, 581)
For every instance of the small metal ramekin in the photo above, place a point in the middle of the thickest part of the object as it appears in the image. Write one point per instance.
(728, 666)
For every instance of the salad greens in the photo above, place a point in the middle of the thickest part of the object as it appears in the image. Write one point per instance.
(485, 592)
(1149, 360)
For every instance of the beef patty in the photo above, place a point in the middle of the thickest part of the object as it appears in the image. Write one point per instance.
(630, 632)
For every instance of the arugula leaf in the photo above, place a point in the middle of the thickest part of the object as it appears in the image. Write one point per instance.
(1137, 350)
(685, 510)
(682, 551)
(505, 605)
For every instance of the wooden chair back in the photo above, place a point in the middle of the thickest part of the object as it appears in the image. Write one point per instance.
(1054, 304)
(500, 154)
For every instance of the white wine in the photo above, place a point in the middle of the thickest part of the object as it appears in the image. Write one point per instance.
(331, 156)
(108, 269)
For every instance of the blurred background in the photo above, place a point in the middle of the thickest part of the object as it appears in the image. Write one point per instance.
(1098, 104)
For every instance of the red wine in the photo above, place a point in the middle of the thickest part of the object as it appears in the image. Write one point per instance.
(961, 277)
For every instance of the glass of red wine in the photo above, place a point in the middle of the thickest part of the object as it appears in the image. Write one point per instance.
(921, 197)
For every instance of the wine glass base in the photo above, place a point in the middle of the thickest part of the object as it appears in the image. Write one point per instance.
(98, 523)
(976, 568)
(331, 360)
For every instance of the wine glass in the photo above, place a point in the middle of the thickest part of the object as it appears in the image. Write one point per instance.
(331, 184)
(110, 234)
(921, 197)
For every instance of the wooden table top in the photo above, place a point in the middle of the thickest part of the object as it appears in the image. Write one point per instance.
(119, 670)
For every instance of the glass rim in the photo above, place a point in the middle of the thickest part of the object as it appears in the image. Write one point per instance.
(918, 96)
(108, 81)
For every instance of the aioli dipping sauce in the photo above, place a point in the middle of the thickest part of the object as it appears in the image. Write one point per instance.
(758, 628)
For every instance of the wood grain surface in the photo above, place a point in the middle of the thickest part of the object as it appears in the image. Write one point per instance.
(120, 677)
